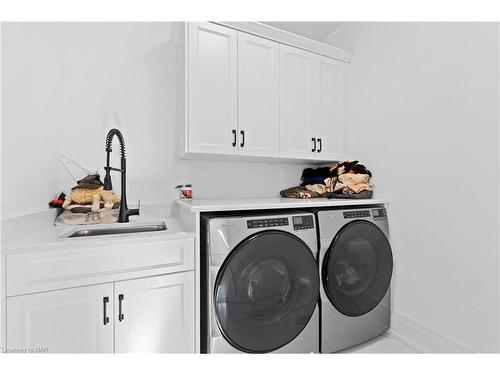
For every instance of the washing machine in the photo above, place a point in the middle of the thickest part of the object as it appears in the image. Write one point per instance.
(260, 284)
(356, 263)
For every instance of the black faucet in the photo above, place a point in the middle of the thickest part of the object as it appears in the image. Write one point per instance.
(124, 211)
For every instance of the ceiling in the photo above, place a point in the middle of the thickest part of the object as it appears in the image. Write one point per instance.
(312, 30)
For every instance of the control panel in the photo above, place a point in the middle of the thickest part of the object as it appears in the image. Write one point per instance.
(356, 214)
(299, 222)
(266, 223)
(379, 213)
(303, 222)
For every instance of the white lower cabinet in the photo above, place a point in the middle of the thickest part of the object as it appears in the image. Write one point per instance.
(151, 314)
(155, 314)
(63, 321)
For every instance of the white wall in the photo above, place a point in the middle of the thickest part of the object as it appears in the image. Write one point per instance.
(1, 257)
(63, 84)
(423, 112)
(423, 116)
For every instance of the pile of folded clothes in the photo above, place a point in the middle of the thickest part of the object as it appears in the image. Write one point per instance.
(348, 179)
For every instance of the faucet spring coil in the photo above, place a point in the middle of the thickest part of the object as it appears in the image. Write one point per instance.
(109, 140)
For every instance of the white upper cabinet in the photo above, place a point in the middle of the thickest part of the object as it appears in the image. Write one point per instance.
(155, 314)
(296, 102)
(312, 124)
(329, 108)
(258, 96)
(212, 89)
(252, 96)
(75, 320)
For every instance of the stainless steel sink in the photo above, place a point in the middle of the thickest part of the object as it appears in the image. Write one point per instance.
(118, 230)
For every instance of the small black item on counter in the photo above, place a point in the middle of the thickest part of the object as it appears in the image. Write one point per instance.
(365, 194)
(311, 173)
(91, 181)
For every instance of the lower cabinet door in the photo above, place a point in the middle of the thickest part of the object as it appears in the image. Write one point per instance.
(76, 320)
(155, 314)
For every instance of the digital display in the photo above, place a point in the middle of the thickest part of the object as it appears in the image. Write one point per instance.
(303, 222)
(379, 213)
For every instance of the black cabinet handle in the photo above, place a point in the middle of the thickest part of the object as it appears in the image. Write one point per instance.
(234, 137)
(314, 144)
(120, 313)
(320, 146)
(105, 316)
(242, 144)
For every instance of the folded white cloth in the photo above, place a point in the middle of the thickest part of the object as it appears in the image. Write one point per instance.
(354, 181)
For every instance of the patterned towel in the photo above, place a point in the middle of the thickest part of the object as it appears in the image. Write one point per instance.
(103, 216)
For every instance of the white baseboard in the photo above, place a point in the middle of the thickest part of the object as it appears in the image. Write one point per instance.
(422, 338)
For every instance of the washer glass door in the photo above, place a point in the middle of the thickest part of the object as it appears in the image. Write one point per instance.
(357, 268)
(266, 291)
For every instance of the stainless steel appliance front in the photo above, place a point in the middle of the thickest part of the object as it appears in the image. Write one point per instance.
(261, 284)
(355, 261)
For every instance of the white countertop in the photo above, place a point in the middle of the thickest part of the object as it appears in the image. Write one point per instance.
(30, 237)
(37, 233)
(212, 205)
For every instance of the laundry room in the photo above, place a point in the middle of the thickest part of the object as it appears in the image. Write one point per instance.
(249, 187)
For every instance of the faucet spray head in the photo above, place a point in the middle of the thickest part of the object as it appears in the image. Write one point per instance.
(107, 181)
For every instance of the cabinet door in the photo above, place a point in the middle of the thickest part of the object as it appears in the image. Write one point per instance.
(156, 314)
(296, 102)
(212, 89)
(329, 108)
(258, 96)
(63, 321)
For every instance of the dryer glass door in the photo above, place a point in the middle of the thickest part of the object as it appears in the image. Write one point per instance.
(357, 268)
(266, 291)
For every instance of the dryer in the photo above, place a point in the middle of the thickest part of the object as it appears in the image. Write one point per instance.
(260, 284)
(356, 263)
